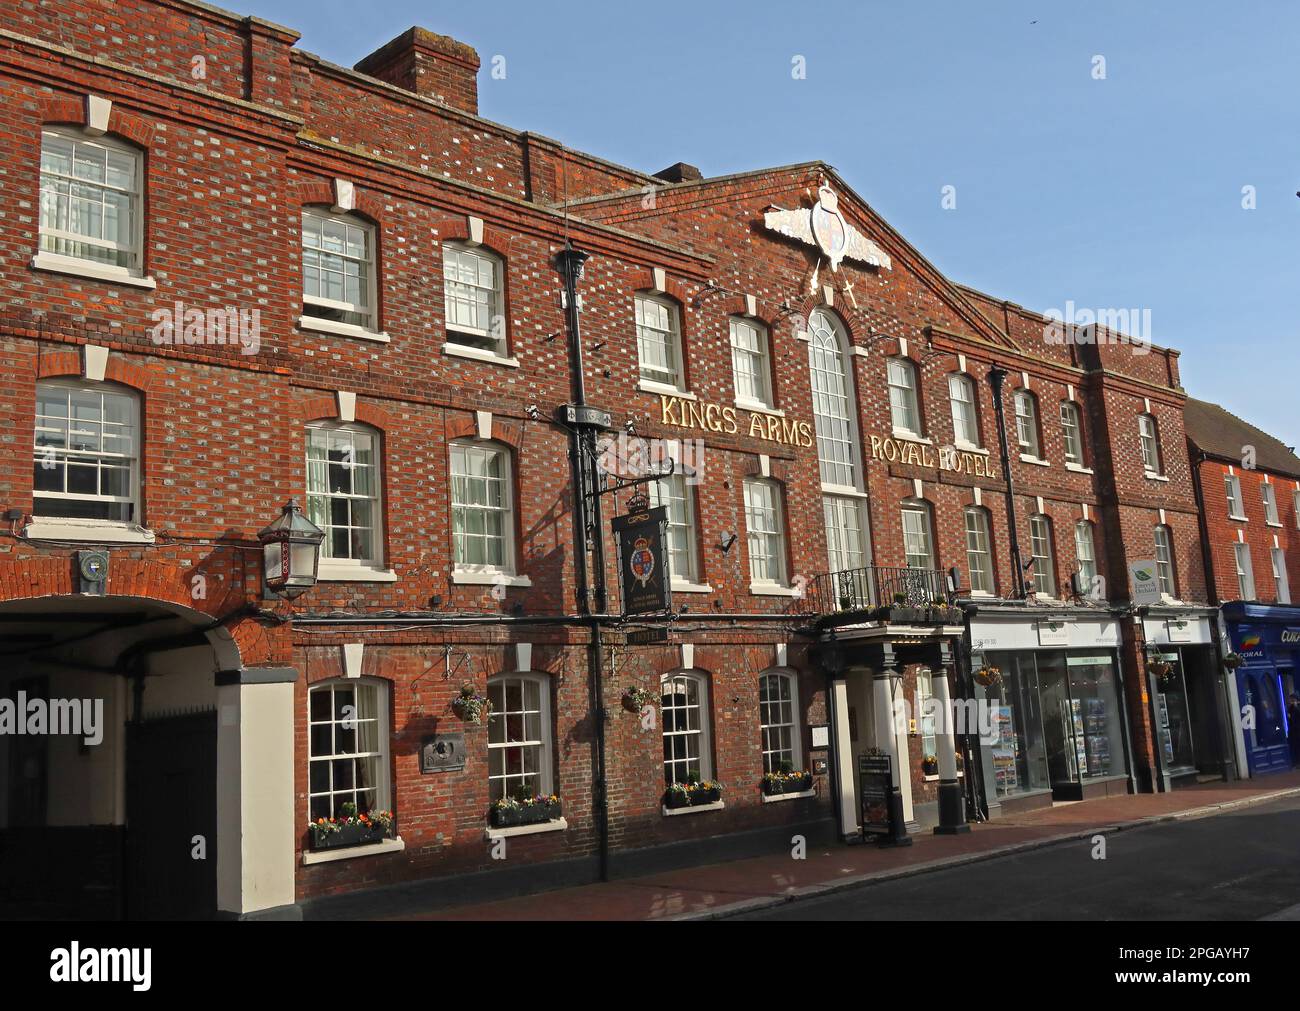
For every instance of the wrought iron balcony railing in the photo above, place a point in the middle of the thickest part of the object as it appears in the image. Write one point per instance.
(875, 586)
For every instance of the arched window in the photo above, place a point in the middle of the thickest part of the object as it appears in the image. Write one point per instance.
(779, 719)
(520, 736)
(904, 410)
(1026, 405)
(92, 203)
(684, 710)
(659, 342)
(1072, 433)
(833, 404)
(338, 272)
(979, 554)
(482, 508)
(1149, 441)
(344, 475)
(965, 419)
(473, 286)
(347, 741)
(86, 451)
(751, 363)
(1165, 561)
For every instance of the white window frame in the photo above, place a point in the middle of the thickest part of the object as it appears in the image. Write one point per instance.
(915, 508)
(965, 413)
(382, 757)
(901, 380)
(979, 546)
(1232, 485)
(771, 534)
(703, 733)
(844, 519)
(1270, 504)
(1295, 505)
(479, 298)
(925, 722)
(769, 727)
(679, 497)
(1025, 406)
(834, 403)
(1281, 582)
(133, 498)
(1072, 432)
(543, 745)
(758, 358)
(1149, 444)
(331, 566)
(1085, 551)
(369, 310)
(1166, 574)
(1040, 537)
(1245, 571)
(673, 379)
(462, 449)
(133, 248)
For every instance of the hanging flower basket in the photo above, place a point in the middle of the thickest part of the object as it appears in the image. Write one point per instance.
(635, 699)
(1162, 669)
(988, 676)
(1232, 661)
(470, 706)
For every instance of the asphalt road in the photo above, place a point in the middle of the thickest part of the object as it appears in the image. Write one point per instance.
(1242, 865)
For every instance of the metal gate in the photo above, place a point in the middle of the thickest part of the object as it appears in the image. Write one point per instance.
(171, 818)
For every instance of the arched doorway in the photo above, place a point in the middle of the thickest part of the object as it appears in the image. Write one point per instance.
(108, 766)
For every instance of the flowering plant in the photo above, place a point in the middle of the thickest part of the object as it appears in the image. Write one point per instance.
(470, 705)
(635, 699)
(323, 828)
(988, 676)
(929, 765)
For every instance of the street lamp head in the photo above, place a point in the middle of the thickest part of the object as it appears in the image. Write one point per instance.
(291, 552)
(569, 261)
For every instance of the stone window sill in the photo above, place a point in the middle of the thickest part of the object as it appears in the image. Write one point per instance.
(478, 355)
(338, 329)
(777, 798)
(672, 812)
(1152, 476)
(96, 531)
(94, 271)
(772, 590)
(461, 577)
(650, 386)
(355, 574)
(1037, 461)
(759, 407)
(353, 852)
(1078, 468)
(685, 587)
(558, 825)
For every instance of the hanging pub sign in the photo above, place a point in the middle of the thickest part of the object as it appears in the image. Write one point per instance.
(642, 560)
(875, 781)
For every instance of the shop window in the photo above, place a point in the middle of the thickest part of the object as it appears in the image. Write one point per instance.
(338, 269)
(1016, 749)
(473, 282)
(965, 421)
(1072, 433)
(659, 342)
(519, 736)
(673, 493)
(1149, 442)
(347, 735)
(343, 478)
(91, 201)
(482, 508)
(903, 408)
(979, 556)
(86, 452)
(751, 365)
(779, 718)
(684, 710)
(1026, 406)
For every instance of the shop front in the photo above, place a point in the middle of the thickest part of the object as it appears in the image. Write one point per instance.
(1187, 691)
(1267, 639)
(1052, 686)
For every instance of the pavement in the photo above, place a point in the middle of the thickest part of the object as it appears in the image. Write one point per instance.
(714, 891)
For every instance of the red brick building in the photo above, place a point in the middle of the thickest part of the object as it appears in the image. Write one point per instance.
(1249, 485)
(238, 274)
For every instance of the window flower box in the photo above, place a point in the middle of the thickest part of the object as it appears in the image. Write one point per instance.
(692, 794)
(776, 783)
(351, 829)
(930, 766)
(906, 615)
(509, 812)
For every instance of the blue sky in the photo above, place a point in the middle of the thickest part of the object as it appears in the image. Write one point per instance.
(1124, 192)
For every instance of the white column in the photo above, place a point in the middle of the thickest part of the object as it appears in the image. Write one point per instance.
(944, 729)
(843, 758)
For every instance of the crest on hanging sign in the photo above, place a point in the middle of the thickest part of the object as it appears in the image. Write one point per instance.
(641, 561)
(824, 226)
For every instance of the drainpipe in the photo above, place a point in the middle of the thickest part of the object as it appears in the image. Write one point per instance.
(588, 536)
(996, 377)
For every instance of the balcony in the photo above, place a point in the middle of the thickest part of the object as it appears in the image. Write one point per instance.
(883, 593)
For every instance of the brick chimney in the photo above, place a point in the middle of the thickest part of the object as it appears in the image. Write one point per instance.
(434, 66)
(680, 173)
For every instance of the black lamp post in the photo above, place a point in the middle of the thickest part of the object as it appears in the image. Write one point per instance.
(291, 552)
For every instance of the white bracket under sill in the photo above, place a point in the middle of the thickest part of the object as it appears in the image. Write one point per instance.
(558, 825)
(672, 812)
(377, 849)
